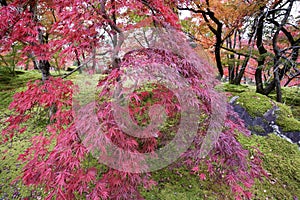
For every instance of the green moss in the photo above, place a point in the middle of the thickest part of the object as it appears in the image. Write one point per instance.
(87, 88)
(11, 167)
(281, 160)
(286, 120)
(255, 104)
(296, 112)
(290, 95)
(9, 84)
(234, 89)
(180, 184)
(257, 129)
(258, 104)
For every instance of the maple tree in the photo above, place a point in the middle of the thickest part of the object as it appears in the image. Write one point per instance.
(60, 158)
(273, 40)
(284, 56)
(244, 35)
(222, 19)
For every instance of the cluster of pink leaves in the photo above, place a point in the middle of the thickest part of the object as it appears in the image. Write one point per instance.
(55, 159)
(228, 162)
(73, 26)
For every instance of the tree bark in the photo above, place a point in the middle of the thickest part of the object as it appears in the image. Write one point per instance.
(44, 67)
(238, 78)
(278, 53)
(3, 2)
(218, 53)
(262, 51)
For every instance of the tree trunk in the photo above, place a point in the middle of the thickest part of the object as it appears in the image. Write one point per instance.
(3, 2)
(218, 50)
(44, 67)
(238, 78)
(35, 64)
(258, 80)
(261, 50)
(278, 87)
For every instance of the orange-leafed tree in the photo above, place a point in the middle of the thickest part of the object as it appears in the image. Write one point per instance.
(215, 22)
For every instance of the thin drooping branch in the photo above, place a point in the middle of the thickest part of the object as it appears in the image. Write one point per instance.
(148, 5)
(3, 60)
(291, 78)
(239, 53)
(77, 68)
(84, 63)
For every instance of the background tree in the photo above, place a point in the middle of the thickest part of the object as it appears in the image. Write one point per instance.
(222, 20)
(244, 35)
(284, 51)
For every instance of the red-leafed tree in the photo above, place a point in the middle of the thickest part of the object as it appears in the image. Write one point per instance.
(67, 158)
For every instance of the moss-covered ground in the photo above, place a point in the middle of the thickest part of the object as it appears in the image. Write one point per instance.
(257, 104)
(281, 158)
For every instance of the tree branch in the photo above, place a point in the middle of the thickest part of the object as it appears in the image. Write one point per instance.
(238, 53)
(84, 63)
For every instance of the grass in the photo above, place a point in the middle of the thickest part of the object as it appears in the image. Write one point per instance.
(281, 159)
(10, 84)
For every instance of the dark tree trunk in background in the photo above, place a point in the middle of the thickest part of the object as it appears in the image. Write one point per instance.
(217, 31)
(278, 88)
(262, 51)
(218, 53)
(35, 65)
(219, 42)
(238, 78)
(283, 61)
(44, 67)
(3, 2)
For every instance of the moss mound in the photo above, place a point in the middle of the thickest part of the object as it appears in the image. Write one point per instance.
(281, 160)
(258, 104)
(255, 104)
(286, 119)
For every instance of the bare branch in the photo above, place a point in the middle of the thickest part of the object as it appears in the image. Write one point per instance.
(238, 53)
(77, 68)
(138, 41)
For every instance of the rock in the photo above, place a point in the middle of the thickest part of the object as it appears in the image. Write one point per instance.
(233, 99)
(266, 123)
(270, 114)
